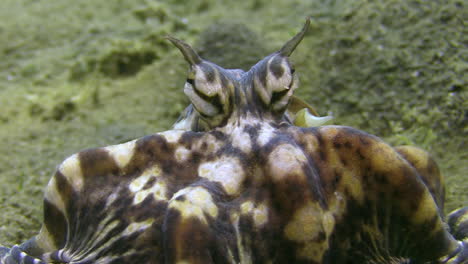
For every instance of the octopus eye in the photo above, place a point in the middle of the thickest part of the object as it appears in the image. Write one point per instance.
(204, 85)
(274, 80)
(191, 81)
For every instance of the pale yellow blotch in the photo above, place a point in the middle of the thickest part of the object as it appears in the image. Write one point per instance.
(417, 152)
(53, 196)
(137, 227)
(328, 222)
(385, 160)
(349, 183)
(198, 202)
(427, 209)
(285, 160)
(172, 136)
(241, 140)
(122, 153)
(247, 207)
(313, 251)
(188, 210)
(331, 131)
(182, 154)
(158, 190)
(139, 197)
(212, 147)
(71, 169)
(260, 215)
(154, 170)
(350, 174)
(234, 217)
(226, 170)
(306, 225)
(311, 143)
(138, 183)
(212, 144)
(258, 212)
(352, 184)
(201, 197)
(45, 240)
(463, 219)
(265, 135)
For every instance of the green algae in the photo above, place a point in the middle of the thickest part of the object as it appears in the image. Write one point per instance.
(96, 73)
(234, 37)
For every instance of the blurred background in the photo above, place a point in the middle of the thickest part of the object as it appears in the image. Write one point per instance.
(91, 73)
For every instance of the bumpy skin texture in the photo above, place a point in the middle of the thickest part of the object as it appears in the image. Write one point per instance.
(237, 182)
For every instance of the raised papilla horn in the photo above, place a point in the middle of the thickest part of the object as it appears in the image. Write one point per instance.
(291, 45)
(189, 53)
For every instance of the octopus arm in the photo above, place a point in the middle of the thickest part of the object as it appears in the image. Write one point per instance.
(385, 201)
(81, 186)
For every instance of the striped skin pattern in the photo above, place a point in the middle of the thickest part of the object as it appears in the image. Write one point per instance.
(237, 182)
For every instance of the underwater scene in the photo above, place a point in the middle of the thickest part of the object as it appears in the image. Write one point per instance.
(93, 73)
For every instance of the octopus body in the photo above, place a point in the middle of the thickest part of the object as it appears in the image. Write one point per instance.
(245, 177)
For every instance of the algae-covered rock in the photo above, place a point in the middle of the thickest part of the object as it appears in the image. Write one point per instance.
(398, 69)
(396, 66)
(232, 45)
(122, 59)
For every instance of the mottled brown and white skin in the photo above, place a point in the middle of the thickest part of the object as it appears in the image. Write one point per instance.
(237, 182)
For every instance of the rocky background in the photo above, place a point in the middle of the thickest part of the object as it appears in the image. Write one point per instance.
(90, 73)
